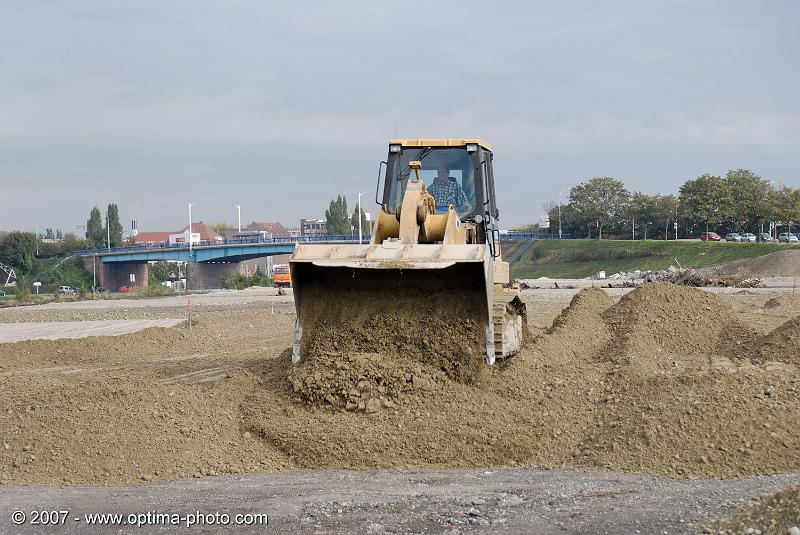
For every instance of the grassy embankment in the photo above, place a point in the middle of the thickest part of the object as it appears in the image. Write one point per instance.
(582, 258)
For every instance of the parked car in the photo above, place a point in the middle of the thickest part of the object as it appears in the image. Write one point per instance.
(67, 290)
(709, 236)
(786, 237)
(124, 289)
(99, 289)
(2, 293)
(765, 237)
(748, 237)
(732, 236)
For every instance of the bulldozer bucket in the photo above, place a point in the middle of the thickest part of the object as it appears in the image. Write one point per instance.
(465, 270)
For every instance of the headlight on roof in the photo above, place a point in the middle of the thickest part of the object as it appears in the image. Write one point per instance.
(394, 148)
(472, 147)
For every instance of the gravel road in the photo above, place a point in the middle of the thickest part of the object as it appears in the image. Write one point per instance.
(452, 501)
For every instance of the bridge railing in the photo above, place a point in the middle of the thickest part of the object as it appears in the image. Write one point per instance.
(504, 237)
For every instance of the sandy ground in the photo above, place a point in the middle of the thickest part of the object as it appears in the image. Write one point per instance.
(218, 402)
(15, 332)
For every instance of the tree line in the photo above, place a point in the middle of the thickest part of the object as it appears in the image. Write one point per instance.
(741, 201)
(339, 222)
(100, 235)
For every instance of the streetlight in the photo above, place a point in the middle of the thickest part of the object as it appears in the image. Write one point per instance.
(676, 219)
(190, 257)
(190, 231)
(559, 211)
(359, 217)
(239, 211)
(108, 229)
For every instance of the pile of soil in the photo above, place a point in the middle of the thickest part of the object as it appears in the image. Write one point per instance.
(660, 328)
(778, 264)
(781, 345)
(599, 389)
(385, 343)
(775, 514)
(788, 304)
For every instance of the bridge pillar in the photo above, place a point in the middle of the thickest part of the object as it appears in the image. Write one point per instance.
(113, 275)
(208, 275)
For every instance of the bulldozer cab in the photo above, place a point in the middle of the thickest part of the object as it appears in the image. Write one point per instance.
(456, 172)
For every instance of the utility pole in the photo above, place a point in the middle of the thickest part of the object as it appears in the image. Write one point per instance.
(239, 212)
(676, 221)
(359, 217)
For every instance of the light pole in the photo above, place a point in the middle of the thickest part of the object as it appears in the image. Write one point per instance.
(559, 211)
(676, 220)
(108, 230)
(190, 247)
(359, 217)
(239, 213)
(190, 231)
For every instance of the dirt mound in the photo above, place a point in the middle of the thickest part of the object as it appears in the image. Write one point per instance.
(778, 264)
(587, 305)
(781, 345)
(365, 382)
(774, 514)
(662, 328)
(786, 303)
(384, 342)
(168, 404)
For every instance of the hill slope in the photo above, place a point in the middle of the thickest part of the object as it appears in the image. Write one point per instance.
(582, 258)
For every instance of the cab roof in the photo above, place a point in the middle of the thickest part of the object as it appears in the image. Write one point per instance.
(438, 142)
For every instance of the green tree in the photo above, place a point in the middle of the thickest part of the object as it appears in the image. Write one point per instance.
(641, 211)
(748, 209)
(364, 222)
(337, 217)
(705, 201)
(114, 226)
(95, 233)
(599, 201)
(664, 212)
(220, 228)
(785, 204)
(17, 249)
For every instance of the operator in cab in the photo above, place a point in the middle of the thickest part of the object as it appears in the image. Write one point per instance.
(446, 191)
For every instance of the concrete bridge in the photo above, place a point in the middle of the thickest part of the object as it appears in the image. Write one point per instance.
(208, 262)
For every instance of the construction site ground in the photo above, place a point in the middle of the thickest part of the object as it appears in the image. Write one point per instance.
(656, 412)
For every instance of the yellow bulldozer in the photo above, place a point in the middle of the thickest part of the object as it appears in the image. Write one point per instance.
(436, 229)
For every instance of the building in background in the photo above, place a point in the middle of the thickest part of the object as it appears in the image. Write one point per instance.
(273, 230)
(200, 232)
(313, 227)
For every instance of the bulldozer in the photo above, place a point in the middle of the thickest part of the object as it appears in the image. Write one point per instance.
(436, 229)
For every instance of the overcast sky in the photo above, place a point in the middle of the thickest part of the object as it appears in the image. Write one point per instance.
(279, 106)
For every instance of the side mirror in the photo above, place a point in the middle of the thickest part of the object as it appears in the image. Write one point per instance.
(378, 186)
